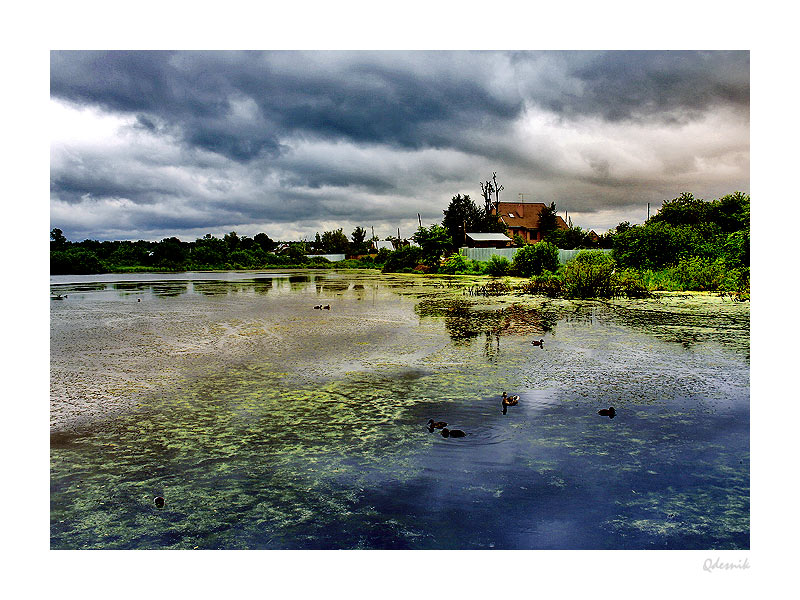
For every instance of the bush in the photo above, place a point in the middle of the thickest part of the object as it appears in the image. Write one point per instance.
(630, 284)
(546, 284)
(457, 265)
(497, 266)
(403, 260)
(589, 275)
(533, 259)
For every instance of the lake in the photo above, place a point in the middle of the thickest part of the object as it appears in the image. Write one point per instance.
(267, 423)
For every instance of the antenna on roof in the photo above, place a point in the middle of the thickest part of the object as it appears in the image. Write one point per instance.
(521, 196)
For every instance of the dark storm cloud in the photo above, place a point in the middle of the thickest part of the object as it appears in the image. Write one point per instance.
(371, 97)
(676, 85)
(301, 138)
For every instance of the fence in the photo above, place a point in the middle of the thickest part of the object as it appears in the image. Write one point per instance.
(483, 254)
(330, 257)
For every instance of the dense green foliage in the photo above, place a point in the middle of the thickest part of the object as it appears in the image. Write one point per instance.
(533, 259)
(687, 228)
(497, 266)
(433, 241)
(403, 260)
(460, 265)
(206, 253)
(690, 244)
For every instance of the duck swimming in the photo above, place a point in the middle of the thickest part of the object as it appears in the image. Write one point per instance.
(318, 307)
(540, 343)
(326, 307)
(436, 425)
(158, 501)
(509, 401)
(607, 412)
(452, 433)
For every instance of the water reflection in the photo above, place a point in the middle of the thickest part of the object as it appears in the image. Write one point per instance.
(170, 289)
(465, 320)
(246, 454)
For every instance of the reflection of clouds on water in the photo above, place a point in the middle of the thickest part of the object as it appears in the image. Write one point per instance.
(277, 426)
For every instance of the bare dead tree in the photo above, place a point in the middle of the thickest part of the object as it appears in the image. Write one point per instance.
(487, 189)
(497, 190)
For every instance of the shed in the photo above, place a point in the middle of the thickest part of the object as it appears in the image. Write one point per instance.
(487, 240)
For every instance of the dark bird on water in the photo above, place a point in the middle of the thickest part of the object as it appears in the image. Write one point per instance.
(607, 412)
(436, 425)
(159, 501)
(539, 343)
(318, 307)
(327, 307)
(509, 401)
(452, 433)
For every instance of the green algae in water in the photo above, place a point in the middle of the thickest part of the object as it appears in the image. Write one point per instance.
(260, 451)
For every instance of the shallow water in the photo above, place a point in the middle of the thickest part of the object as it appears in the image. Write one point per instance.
(266, 423)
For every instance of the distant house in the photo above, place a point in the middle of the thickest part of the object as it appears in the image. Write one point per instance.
(522, 219)
(487, 240)
(593, 236)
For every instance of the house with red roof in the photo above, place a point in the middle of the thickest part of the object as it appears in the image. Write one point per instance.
(522, 219)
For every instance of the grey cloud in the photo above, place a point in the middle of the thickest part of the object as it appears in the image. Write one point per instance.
(236, 128)
(633, 85)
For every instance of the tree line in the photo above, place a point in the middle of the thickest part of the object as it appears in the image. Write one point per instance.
(689, 244)
(232, 251)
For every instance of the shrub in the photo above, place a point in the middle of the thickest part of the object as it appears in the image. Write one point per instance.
(456, 264)
(589, 275)
(535, 258)
(402, 260)
(546, 284)
(497, 266)
(630, 284)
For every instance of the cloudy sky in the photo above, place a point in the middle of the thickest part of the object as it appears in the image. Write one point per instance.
(146, 145)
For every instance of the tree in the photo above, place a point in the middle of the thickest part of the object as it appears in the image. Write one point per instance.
(232, 240)
(683, 210)
(487, 189)
(58, 240)
(334, 242)
(264, 241)
(460, 216)
(547, 219)
(170, 253)
(358, 236)
(433, 241)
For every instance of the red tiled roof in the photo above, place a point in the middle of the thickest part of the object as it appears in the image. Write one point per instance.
(525, 214)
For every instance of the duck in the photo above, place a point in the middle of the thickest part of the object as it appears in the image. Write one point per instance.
(509, 401)
(327, 307)
(318, 307)
(159, 501)
(607, 412)
(452, 433)
(539, 343)
(436, 425)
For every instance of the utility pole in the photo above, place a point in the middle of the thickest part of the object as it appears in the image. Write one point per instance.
(420, 220)
(648, 211)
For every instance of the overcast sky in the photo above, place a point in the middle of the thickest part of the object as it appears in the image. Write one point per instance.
(147, 145)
